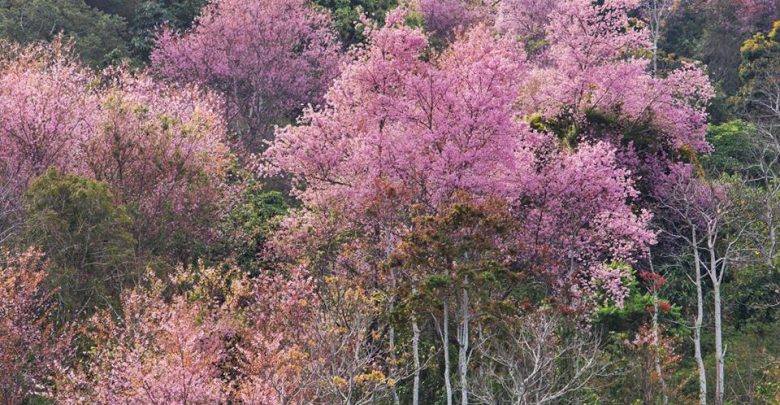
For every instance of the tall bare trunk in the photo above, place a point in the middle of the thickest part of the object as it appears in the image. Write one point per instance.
(445, 341)
(719, 351)
(463, 344)
(655, 16)
(715, 275)
(416, 355)
(391, 333)
(698, 323)
(657, 336)
(393, 371)
(770, 221)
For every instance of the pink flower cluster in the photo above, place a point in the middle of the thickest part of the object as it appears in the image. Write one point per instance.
(448, 125)
(268, 58)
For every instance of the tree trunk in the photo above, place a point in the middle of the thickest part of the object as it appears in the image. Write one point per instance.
(656, 32)
(416, 354)
(716, 276)
(445, 340)
(770, 220)
(393, 372)
(463, 345)
(719, 352)
(697, 324)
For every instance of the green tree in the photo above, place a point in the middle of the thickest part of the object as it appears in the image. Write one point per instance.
(146, 18)
(97, 35)
(733, 149)
(758, 73)
(346, 14)
(252, 223)
(85, 235)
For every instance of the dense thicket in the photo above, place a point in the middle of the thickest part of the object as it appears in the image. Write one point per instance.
(389, 202)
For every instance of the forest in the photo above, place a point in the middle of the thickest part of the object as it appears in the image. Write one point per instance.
(424, 202)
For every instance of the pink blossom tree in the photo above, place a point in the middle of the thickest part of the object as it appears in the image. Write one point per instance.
(594, 64)
(162, 148)
(47, 111)
(31, 349)
(428, 130)
(269, 58)
(277, 358)
(224, 337)
(525, 19)
(158, 352)
(448, 17)
(304, 346)
(445, 126)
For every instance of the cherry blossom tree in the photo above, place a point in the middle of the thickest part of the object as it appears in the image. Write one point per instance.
(277, 360)
(163, 149)
(427, 130)
(526, 19)
(446, 17)
(46, 111)
(591, 79)
(31, 349)
(269, 58)
(222, 336)
(158, 353)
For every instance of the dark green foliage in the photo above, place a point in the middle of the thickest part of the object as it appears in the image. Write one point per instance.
(346, 14)
(86, 236)
(720, 42)
(732, 152)
(122, 8)
(252, 223)
(97, 36)
(683, 33)
(753, 350)
(755, 291)
(104, 31)
(760, 72)
(148, 16)
(711, 32)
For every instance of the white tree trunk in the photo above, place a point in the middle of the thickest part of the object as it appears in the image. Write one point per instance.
(463, 345)
(719, 352)
(716, 272)
(416, 355)
(445, 340)
(698, 323)
(655, 31)
(391, 333)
